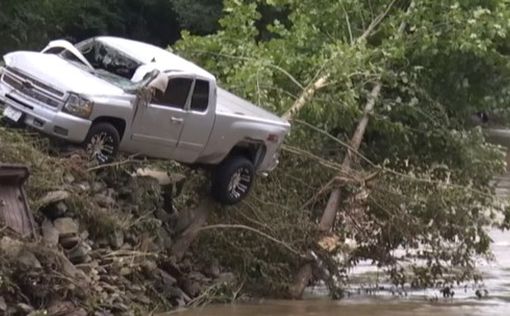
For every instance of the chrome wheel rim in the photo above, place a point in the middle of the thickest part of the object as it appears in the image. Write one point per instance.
(239, 183)
(101, 147)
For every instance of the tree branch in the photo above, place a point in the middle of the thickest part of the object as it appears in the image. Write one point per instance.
(307, 94)
(256, 231)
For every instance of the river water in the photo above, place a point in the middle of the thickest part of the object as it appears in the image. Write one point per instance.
(493, 292)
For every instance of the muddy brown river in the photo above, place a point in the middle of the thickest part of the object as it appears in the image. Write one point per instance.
(388, 301)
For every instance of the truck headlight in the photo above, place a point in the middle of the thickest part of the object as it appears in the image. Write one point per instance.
(78, 106)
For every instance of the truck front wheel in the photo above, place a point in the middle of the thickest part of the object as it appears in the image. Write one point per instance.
(232, 180)
(102, 143)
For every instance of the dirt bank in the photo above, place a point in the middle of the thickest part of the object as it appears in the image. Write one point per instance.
(109, 240)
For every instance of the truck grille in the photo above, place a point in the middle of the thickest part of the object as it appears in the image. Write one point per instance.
(32, 88)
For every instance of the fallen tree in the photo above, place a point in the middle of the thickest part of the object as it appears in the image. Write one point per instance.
(410, 180)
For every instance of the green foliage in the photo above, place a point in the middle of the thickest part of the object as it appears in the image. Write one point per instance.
(432, 197)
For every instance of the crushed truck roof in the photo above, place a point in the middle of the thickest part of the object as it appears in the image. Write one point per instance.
(150, 54)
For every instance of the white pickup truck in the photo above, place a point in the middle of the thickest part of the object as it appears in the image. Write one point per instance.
(89, 94)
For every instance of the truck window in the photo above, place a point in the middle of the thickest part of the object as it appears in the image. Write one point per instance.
(200, 99)
(176, 93)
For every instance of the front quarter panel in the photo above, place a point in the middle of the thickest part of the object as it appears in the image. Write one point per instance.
(113, 107)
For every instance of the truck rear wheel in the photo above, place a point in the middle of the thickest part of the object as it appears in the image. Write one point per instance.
(102, 143)
(232, 180)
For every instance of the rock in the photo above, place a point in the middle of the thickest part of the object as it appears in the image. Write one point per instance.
(77, 312)
(162, 215)
(53, 198)
(104, 201)
(61, 208)
(125, 271)
(226, 277)
(171, 267)
(175, 292)
(132, 238)
(24, 308)
(79, 254)
(180, 302)
(3, 305)
(192, 288)
(117, 239)
(28, 260)
(162, 176)
(164, 239)
(84, 235)
(66, 226)
(149, 267)
(142, 299)
(54, 211)
(83, 186)
(69, 178)
(50, 233)
(98, 186)
(197, 276)
(60, 308)
(166, 279)
(120, 307)
(69, 242)
(184, 221)
(126, 246)
(102, 243)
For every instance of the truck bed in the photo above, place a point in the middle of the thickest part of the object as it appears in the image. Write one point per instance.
(230, 104)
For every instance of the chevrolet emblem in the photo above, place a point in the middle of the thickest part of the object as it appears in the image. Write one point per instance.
(27, 85)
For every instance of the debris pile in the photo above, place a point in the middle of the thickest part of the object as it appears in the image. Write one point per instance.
(105, 242)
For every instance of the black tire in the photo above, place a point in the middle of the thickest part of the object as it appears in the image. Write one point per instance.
(223, 189)
(102, 143)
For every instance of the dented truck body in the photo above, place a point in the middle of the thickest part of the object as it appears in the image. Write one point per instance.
(88, 93)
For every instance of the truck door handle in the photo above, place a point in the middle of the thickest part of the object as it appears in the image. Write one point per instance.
(176, 120)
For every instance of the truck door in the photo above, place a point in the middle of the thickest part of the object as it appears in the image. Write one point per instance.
(158, 126)
(199, 122)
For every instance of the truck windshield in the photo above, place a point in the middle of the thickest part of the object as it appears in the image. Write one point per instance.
(108, 63)
(112, 78)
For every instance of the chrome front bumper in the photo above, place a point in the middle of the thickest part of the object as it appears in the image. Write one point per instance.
(47, 120)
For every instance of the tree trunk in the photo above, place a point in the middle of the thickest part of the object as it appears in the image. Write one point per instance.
(302, 279)
(193, 222)
(304, 275)
(328, 217)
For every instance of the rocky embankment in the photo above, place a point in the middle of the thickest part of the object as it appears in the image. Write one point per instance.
(110, 241)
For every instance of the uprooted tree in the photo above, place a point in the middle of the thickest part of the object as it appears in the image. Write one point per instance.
(404, 78)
